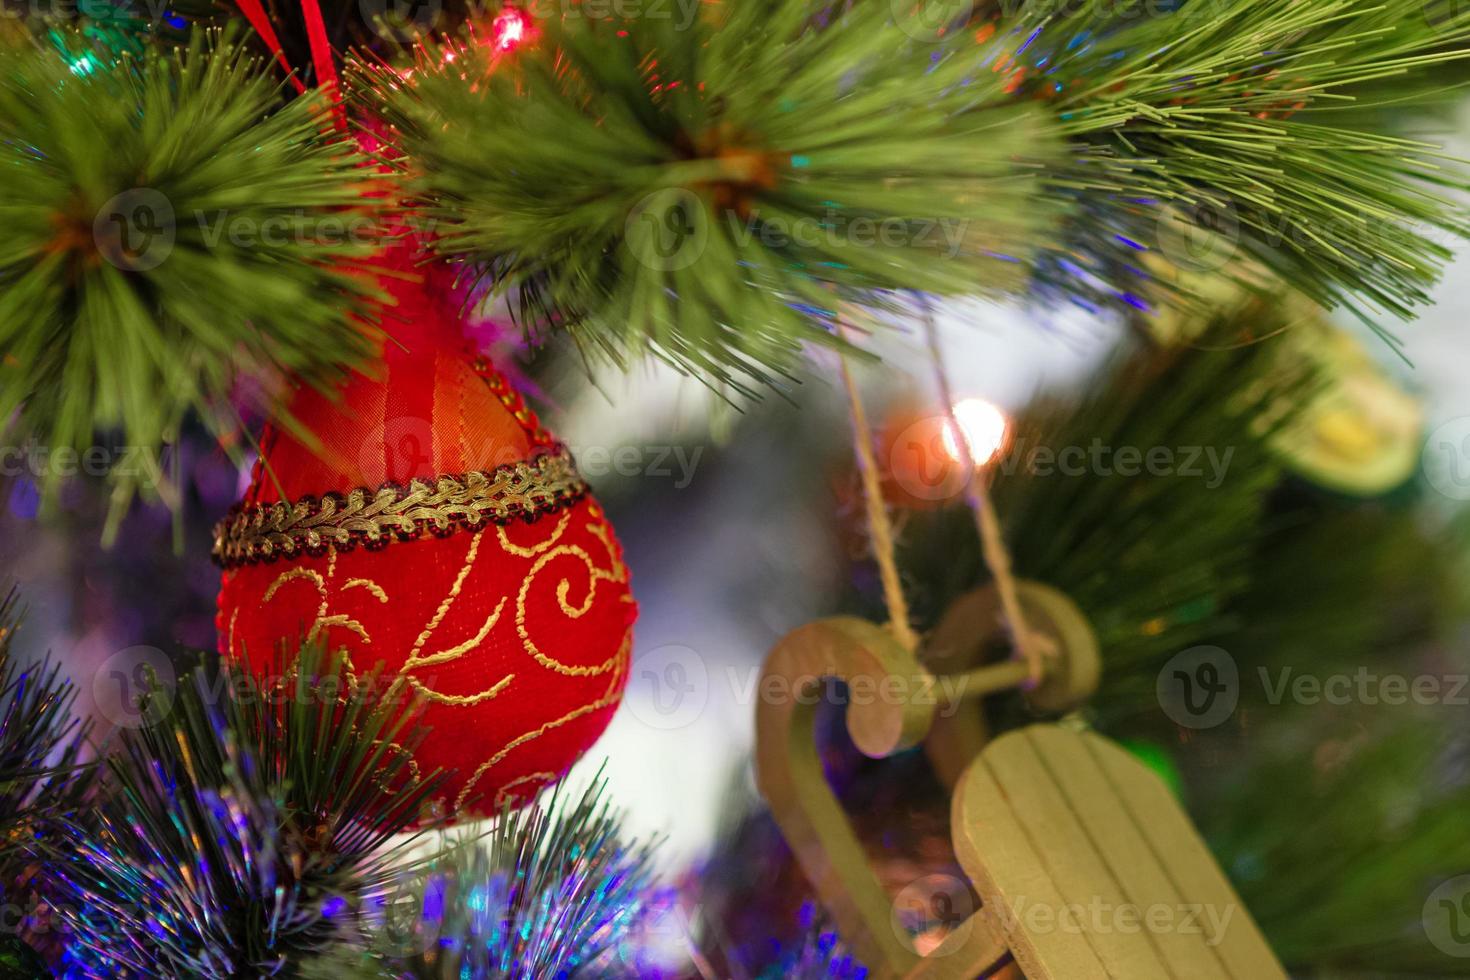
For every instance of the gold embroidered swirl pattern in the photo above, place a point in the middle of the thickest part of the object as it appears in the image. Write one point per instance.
(264, 532)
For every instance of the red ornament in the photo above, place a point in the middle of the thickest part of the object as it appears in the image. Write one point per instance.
(439, 529)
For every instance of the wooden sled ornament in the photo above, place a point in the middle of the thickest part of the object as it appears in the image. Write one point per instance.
(1063, 834)
(963, 641)
(1091, 870)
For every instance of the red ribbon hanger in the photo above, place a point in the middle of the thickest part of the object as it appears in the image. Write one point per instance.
(321, 51)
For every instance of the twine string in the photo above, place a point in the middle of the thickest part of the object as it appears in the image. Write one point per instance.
(993, 547)
(880, 528)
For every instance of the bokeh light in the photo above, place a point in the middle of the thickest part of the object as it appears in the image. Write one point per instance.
(984, 427)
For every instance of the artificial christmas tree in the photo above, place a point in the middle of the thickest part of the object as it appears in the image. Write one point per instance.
(724, 193)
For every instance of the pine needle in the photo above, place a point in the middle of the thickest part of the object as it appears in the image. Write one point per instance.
(710, 192)
(553, 890)
(40, 746)
(1223, 133)
(242, 829)
(170, 229)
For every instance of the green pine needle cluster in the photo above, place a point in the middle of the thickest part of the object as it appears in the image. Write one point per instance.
(709, 191)
(551, 891)
(170, 229)
(707, 185)
(1337, 822)
(1151, 560)
(1234, 130)
(40, 745)
(1307, 606)
(633, 180)
(1337, 846)
(243, 822)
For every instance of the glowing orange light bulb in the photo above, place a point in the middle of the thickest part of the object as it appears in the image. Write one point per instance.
(983, 426)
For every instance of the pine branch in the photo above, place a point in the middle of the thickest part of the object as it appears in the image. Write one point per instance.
(553, 890)
(1336, 854)
(620, 176)
(244, 826)
(40, 745)
(1221, 132)
(170, 230)
(1311, 610)
(708, 191)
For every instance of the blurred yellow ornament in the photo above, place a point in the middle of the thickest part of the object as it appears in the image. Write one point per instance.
(1360, 432)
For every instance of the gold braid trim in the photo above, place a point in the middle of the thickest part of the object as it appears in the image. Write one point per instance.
(372, 518)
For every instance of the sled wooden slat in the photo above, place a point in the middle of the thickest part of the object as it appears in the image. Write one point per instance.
(1092, 871)
(1134, 864)
(1242, 949)
(1011, 866)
